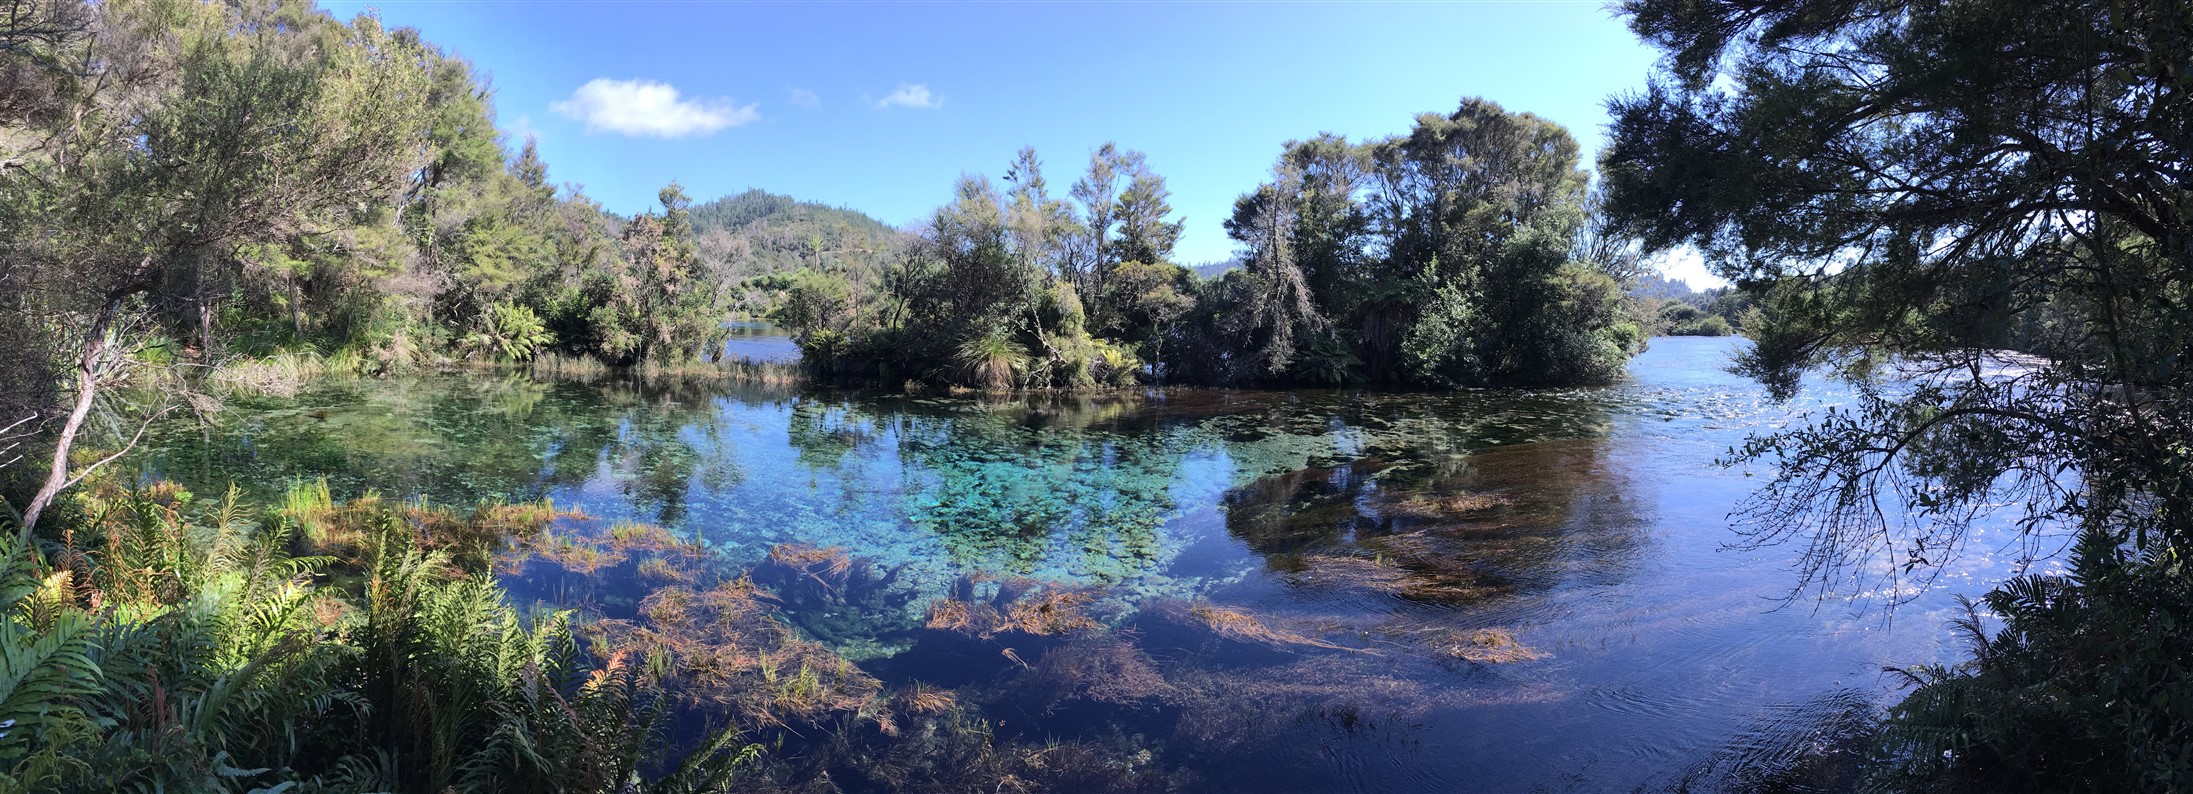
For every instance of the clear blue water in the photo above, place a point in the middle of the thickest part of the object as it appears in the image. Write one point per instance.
(1590, 525)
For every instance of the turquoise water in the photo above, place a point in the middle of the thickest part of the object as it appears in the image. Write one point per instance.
(1589, 525)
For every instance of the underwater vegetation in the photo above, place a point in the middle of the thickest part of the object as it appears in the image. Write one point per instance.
(1180, 590)
(369, 644)
(856, 680)
(1060, 487)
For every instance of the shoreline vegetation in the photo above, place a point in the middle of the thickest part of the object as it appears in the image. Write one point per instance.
(1880, 180)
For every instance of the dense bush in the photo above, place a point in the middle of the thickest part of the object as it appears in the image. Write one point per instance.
(1371, 262)
(2086, 686)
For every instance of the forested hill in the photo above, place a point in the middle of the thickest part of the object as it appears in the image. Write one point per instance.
(771, 209)
(758, 233)
(752, 239)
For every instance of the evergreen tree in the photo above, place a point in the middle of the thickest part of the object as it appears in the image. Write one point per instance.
(1929, 184)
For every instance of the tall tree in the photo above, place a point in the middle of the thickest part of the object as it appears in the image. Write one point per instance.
(1441, 257)
(659, 306)
(191, 142)
(1041, 226)
(1913, 179)
(1278, 309)
(1147, 231)
(1098, 192)
(1930, 183)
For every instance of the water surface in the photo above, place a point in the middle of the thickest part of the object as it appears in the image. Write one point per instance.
(1397, 531)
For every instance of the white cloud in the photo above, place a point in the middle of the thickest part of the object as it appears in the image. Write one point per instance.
(911, 95)
(1686, 265)
(650, 109)
(804, 98)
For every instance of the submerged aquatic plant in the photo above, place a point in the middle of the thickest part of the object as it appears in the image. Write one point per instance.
(985, 608)
(1483, 646)
(725, 648)
(1241, 625)
(849, 603)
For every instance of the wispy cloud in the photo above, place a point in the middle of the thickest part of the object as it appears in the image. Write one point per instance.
(649, 109)
(521, 130)
(804, 98)
(911, 95)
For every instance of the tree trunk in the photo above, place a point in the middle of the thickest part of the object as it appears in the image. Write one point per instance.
(205, 328)
(87, 390)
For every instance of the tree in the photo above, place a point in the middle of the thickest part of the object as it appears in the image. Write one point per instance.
(191, 143)
(1098, 192)
(1601, 242)
(659, 305)
(1441, 258)
(1891, 182)
(1278, 307)
(1148, 302)
(1146, 234)
(1041, 227)
(1930, 184)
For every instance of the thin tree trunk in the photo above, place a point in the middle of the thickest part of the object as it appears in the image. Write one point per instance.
(87, 391)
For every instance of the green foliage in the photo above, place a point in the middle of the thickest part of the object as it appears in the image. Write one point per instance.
(1149, 301)
(993, 360)
(2086, 686)
(384, 217)
(1111, 364)
(513, 333)
(46, 656)
(656, 305)
(753, 239)
(1975, 213)
(1683, 319)
(1439, 347)
(1468, 280)
(986, 298)
(817, 308)
(191, 650)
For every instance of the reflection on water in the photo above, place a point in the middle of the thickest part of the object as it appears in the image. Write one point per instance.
(758, 341)
(1483, 590)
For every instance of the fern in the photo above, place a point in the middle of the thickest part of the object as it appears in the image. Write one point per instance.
(42, 671)
(212, 663)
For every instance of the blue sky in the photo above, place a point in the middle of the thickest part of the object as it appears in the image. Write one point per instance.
(879, 106)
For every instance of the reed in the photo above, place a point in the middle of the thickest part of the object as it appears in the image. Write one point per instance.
(280, 374)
